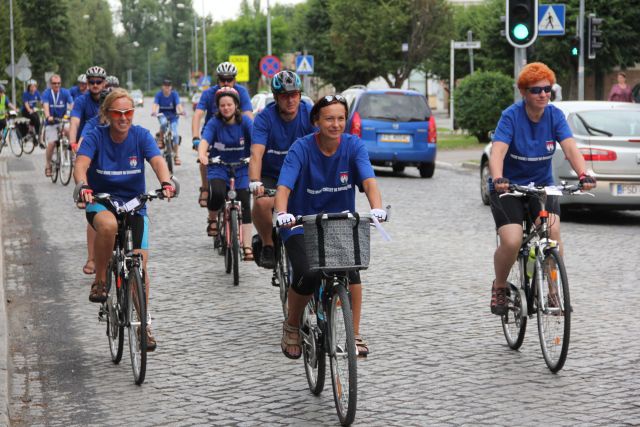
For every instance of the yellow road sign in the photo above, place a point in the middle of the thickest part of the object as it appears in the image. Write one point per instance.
(242, 64)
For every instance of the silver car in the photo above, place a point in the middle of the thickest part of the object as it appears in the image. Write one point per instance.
(608, 136)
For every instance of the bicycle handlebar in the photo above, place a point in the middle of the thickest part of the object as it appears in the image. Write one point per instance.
(516, 190)
(218, 161)
(155, 194)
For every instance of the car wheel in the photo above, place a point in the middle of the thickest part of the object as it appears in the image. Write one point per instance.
(427, 169)
(398, 167)
(484, 181)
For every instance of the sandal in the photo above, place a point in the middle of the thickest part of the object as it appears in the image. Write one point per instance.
(48, 172)
(89, 267)
(288, 341)
(98, 292)
(177, 161)
(362, 346)
(212, 228)
(248, 253)
(203, 199)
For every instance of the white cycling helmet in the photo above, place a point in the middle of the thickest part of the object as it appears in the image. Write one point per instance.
(82, 78)
(226, 69)
(96, 71)
(32, 82)
(112, 81)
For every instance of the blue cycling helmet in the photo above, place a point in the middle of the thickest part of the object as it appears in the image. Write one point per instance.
(286, 82)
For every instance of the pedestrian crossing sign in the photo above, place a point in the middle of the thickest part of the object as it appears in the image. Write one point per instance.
(551, 20)
(304, 64)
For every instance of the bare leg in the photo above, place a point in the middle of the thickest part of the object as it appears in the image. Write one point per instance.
(296, 303)
(506, 254)
(356, 305)
(106, 227)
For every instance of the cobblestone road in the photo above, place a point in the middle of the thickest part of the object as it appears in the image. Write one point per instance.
(438, 355)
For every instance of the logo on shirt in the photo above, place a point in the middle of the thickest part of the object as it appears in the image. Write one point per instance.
(133, 161)
(550, 146)
(241, 141)
(344, 178)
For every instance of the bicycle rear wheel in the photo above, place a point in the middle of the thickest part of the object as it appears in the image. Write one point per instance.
(168, 151)
(235, 247)
(55, 162)
(137, 315)
(220, 241)
(514, 323)
(66, 164)
(115, 332)
(29, 143)
(315, 360)
(554, 311)
(283, 275)
(14, 142)
(342, 354)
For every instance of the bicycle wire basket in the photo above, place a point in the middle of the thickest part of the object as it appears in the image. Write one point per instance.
(337, 242)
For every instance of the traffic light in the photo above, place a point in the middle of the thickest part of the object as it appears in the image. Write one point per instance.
(522, 22)
(575, 46)
(593, 28)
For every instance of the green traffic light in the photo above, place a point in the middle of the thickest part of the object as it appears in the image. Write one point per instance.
(574, 51)
(520, 32)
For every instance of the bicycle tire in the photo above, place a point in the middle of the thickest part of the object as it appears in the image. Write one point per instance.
(314, 356)
(342, 354)
(514, 323)
(283, 275)
(115, 331)
(28, 143)
(554, 323)
(66, 163)
(220, 241)
(55, 162)
(168, 151)
(14, 142)
(137, 316)
(235, 247)
(41, 135)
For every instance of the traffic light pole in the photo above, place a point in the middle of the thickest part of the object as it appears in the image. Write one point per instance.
(519, 61)
(581, 57)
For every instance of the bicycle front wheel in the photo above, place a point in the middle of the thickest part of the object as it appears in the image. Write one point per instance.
(342, 354)
(554, 311)
(168, 152)
(55, 162)
(283, 275)
(514, 323)
(66, 164)
(315, 360)
(137, 314)
(14, 142)
(115, 332)
(235, 247)
(29, 143)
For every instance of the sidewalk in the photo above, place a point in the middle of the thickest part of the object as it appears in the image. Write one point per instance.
(4, 338)
(467, 159)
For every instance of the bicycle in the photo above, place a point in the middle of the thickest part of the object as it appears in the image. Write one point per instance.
(229, 220)
(29, 138)
(538, 284)
(167, 141)
(10, 135)
(62, 157)
(126, 304)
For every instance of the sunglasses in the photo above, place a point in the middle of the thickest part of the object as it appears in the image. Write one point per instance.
(537, 90)
(94, 82)
(55, 83)
(116, 114)
(226, 79)
(332, 98)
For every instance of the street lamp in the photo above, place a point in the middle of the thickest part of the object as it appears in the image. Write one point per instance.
(153, 49)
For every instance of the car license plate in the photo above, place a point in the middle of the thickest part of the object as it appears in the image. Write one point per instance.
(391, 137)
(625, 189)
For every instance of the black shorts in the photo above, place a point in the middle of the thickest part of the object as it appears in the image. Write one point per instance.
(512, 210)
(269, 182)
(300, 265)
(139, 225)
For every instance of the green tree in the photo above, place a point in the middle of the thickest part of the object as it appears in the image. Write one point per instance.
(18, 36)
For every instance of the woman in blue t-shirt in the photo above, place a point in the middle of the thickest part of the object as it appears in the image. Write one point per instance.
(521, 153)
(227, 135)
(111, 158)
(320, 174)
(30, 99)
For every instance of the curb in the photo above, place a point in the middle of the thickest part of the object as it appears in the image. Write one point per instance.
(4, 341)
(470, 166)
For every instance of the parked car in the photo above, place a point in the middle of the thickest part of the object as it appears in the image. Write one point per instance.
(138, 98)
(261, 100)
(608, 136)
(195, 98)
(396, 126)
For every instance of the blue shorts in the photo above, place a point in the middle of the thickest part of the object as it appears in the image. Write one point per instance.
(139, 225)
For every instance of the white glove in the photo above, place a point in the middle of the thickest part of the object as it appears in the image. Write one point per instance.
(380, 214)
(285, 220)
(254, 185)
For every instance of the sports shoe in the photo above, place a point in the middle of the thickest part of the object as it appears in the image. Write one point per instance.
(267, 257)
(499, 301)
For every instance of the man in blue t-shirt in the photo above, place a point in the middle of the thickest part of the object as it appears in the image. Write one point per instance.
(167, 103)
(207, 107)
(274, 131)
(87, 105)
(79, 89)
(55, 102)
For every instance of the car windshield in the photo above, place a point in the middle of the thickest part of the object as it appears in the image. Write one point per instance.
(393, 107)
(606, 123)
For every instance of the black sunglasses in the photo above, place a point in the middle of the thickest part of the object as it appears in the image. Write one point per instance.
(95, 82)
(226, 79)
(536, 90)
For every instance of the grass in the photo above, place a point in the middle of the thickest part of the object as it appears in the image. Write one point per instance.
(454, 141)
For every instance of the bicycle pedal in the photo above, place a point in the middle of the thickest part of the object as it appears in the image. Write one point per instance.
(274, 282)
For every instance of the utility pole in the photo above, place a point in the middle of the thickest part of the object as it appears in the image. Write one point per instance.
(13, 60)
(268, 29)
(470, 39)
(581, 57)
(195, 34)
(204, 43)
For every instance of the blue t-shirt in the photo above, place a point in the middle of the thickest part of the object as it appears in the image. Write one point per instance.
(84, 108)
(75, 92)
(208, 101)
(57, 102)
(118, 169)
(91, 124)
(231, 143)
(321, 183)
(531, 145)
(277, 135)
(31, 99)
(168, 104)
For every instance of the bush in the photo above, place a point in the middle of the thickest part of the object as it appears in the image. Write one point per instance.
(479, 101)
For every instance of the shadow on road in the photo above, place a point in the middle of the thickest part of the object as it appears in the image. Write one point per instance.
(600, 217)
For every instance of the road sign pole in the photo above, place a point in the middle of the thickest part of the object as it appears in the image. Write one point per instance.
(470, 39)
(451, 82)
(581, 57)
(13, 60)
(519, 61)
(268, 30)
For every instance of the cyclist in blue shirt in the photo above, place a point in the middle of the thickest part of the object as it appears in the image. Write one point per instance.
(206, 108)
(111, 158)
(87, 105)
(80, 88)
(521, 153)
(320, 175)
(274, 131)
(55, 102)
(167, 102)
(30, 99)
(228, 135)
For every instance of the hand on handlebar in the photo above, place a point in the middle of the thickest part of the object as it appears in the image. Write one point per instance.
(256, 187)
(587, 182)
(153, 114)
(168, 190)
(285, 220)
(379, 214)
(86, 195)
(501, 185)
(203, 159)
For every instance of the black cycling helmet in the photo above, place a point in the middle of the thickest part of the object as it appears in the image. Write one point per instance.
(286, 82)
(226, 69)
(96, 71)
(103, 94)
(227, 91)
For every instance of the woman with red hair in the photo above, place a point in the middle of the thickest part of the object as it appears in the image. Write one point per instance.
(522, 148)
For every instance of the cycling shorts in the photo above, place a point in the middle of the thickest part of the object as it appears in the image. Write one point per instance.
(139, 225)
(269, 182)
(512, 210)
